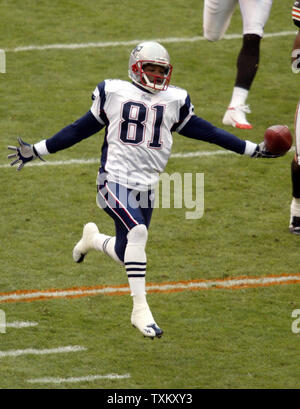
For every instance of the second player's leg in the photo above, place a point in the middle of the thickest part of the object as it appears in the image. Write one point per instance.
(295, 177)
(255, 14)
(216, 18)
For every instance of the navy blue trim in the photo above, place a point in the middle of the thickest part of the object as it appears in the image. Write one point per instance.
(104, 151)
(136, 275)
(81, 129)
(102, 114)
(183, 113)
(198, 128)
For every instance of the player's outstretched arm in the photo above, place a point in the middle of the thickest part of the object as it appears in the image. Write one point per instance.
(23, 154)
(198, 128)
(81, 129)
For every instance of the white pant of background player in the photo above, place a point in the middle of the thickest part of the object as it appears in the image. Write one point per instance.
(216, 19)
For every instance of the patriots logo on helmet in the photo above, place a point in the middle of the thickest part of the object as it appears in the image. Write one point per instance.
(137, 49)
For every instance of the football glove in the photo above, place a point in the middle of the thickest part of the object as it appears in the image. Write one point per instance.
(262, 152)
(25, 153)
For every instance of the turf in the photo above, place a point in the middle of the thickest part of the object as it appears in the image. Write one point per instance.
(213, 339)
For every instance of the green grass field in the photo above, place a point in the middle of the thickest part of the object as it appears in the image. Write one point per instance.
(219, 338)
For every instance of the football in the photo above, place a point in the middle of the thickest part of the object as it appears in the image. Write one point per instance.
(278, 139)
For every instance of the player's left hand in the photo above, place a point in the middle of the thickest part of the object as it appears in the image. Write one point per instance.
(23, 154)
(262, 152)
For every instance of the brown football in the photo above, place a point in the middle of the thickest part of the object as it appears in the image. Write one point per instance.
(278, 139)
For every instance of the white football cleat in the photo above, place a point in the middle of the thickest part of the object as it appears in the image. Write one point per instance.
(142, 319)
(85, 243)
(236, 117)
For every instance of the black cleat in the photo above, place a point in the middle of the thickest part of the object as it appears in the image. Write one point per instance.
(295, 225)
(81, 258)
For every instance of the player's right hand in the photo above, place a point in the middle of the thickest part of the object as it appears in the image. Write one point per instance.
(23, 154)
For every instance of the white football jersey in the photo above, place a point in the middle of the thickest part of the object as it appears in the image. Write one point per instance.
(138, 138)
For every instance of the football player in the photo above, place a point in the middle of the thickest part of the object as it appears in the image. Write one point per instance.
(139, 118)
(295, 166)
(216, 19)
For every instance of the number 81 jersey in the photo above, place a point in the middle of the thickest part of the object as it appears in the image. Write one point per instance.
(139, 125)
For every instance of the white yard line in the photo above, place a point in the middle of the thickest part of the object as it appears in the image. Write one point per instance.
(61, 293)
(226, 283)
(106, 44)
(19, 324)
(32, 351)
(92, 161)
(163, 287)
(88, 378)
(97, 160)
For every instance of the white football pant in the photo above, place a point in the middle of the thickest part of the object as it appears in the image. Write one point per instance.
(217, 15)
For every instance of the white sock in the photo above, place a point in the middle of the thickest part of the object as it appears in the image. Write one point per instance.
(106, 244)
(239, 97)
(135, 260)
(138, 289)
(295, 207)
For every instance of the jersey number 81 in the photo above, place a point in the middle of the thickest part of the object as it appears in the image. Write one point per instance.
(133, 124)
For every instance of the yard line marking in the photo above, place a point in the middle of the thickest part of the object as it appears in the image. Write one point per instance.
(32, 351)
(19, 324)
(59, 163)
(33, 295)
(106, 44)
(165, 287)
(88, 378)
(92, 161)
